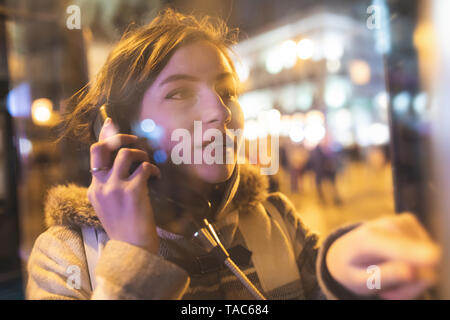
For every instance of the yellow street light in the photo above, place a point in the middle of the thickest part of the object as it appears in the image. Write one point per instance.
(41, 111)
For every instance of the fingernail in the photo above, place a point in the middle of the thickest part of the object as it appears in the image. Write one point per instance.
(107, 121)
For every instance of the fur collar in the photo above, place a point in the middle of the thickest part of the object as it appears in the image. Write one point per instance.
(68, 204)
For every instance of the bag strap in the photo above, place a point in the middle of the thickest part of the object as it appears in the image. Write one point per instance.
(272, 249)
(93, 241)
(275, 214)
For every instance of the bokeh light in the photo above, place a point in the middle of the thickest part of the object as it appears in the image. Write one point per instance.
(401, 102)
(296, 134)
(251, 130)
(148, 125)
(360, 72)
(333, 66)
(253, 103)
(379, 134)
(314, 117)
(25, 146)
(333, 48)
(336, 92)
(41, 111)
(381, 100)
(288, 53)
(305, 49)
(314, 133)
(274, 121)
(274, 63)
(304, 96)
(160, 156)
(420, 102)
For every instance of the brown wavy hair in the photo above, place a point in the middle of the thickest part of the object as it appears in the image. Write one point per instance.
(133, 65)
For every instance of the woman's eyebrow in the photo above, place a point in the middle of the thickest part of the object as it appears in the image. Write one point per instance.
(180, 76)
(177, 77)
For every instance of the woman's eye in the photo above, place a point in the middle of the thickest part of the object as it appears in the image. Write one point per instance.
(227, 94)
(180, 94)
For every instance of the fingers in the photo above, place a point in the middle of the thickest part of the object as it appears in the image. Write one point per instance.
(394, 274)
(391, 275)
(102, 151)
(125, 158)
(383, 245)
(407, 224)
(411, 226)
(388, 275)
(410, 291)
(144, 172)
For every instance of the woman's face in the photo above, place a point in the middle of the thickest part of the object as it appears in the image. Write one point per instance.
(196, 92)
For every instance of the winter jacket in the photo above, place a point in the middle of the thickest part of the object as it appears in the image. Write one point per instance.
(124, 271)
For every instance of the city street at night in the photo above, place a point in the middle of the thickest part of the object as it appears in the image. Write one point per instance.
(225, 150)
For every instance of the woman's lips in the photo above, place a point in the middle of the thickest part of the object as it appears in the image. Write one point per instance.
(230, 143)
(229, 149)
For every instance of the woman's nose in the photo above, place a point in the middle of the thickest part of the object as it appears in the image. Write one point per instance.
(216, 113)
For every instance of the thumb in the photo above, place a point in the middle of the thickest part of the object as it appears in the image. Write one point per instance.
(108, 130)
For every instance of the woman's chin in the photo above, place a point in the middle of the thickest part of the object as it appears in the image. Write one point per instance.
(214, 173)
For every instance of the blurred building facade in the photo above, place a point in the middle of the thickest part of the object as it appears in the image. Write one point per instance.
(322, 73)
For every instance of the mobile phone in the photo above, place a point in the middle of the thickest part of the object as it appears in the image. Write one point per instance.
(172, 198)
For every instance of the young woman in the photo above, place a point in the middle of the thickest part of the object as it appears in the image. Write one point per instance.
(170, 73)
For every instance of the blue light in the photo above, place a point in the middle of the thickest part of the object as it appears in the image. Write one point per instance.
(25, 146)
(148, 129)
(18, 101)
(401, 102)
(148, 125)
(155, 134)
(160, 156)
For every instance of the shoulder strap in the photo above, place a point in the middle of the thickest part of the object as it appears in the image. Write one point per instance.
(94, 242)
(272, 251)
(275, 214)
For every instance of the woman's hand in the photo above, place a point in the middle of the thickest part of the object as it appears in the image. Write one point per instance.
(399, 246)
(121, 200)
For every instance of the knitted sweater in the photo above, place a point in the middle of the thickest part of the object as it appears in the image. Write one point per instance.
(125, 271)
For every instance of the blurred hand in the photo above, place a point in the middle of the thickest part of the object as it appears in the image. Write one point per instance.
(399, 246)
(120, 199)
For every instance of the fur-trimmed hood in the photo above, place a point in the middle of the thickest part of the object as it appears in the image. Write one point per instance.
(68, 205)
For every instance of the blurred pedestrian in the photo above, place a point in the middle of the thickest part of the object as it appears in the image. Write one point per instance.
(324, 162)
(297, 160)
